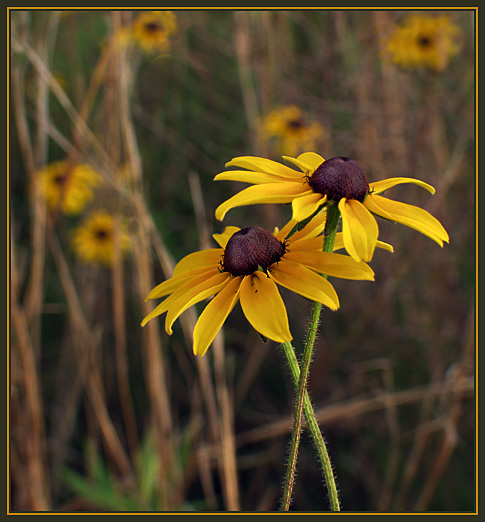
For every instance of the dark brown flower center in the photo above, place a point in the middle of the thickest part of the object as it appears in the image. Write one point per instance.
(296, 124)
(251, 248)
(152, 27)
(101, 234)
(60, 179)
(339, 178)
(424, 41)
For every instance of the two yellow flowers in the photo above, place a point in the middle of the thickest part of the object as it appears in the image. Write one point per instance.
(251, 263)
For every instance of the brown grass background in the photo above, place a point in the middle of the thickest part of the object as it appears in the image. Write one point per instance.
(107, 416)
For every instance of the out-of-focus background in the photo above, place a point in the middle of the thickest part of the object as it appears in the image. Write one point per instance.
(119, 120)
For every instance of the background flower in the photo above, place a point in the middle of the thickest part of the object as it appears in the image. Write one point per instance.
(153, 30)
(291, 131)
(94, 240)
(424, 41)
(68, 187)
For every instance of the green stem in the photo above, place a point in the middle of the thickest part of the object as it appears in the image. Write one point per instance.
(303, 400)
(315, 431)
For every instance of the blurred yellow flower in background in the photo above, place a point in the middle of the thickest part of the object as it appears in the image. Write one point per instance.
(152, 30)
(423, 41)
(68, 188)
(94, 240)
(290, 130)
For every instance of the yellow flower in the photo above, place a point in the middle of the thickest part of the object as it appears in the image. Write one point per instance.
(291, 131)
(423, 41)
(247, 268)
(94, 240)
(68, 187)
(338, 180)
(152, 30)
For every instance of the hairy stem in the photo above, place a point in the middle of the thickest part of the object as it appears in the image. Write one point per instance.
(303, 403)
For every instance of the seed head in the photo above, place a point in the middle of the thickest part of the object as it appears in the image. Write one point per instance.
(251, 248)
(340, 178)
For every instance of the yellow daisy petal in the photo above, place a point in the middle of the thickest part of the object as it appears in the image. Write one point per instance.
(336, 265)
(281, 234)
(308, 161)
(339, 243)
(198, 292)
(225, 236)
(411, 216)
(158, 310)
(359, 229)
(305, 282)
(177, 281)
(314, 243)
(263, 307)
(307, 205)
(313, 228)
(214, 315)
(249, 176)
(385, 246)
(267, 193)
(181, 285)
(266, 166)
(380, 186)
(210, 256)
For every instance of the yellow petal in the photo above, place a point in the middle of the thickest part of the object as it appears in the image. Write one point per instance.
(339, 243)
(312, 159)
(380, 186)
(176, 281)
(313, 228)
(214, 315)
(199, 292)
(305, 282)
(305, 206)
(359, 229)
(184, 285)
(336, 265)
(307, 162)
(314, 243)
(248, 176)
(263, 307)
(264, 165)
(281, 234)
(267, 193)
(385, 246)
(225, 236)
(158, 310)
(208, 257)
(411, 216)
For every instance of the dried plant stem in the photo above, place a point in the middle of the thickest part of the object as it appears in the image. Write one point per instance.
(226, 426)
(121, 344)
(32, 301)
(39, 490)
(333, 216)
(85, 343)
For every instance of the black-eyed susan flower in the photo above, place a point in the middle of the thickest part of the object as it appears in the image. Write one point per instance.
(247, 267)
(291, 132)
(94, 240)
(152, 30)
(423, 41)
(338, 180)
(68, 188)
